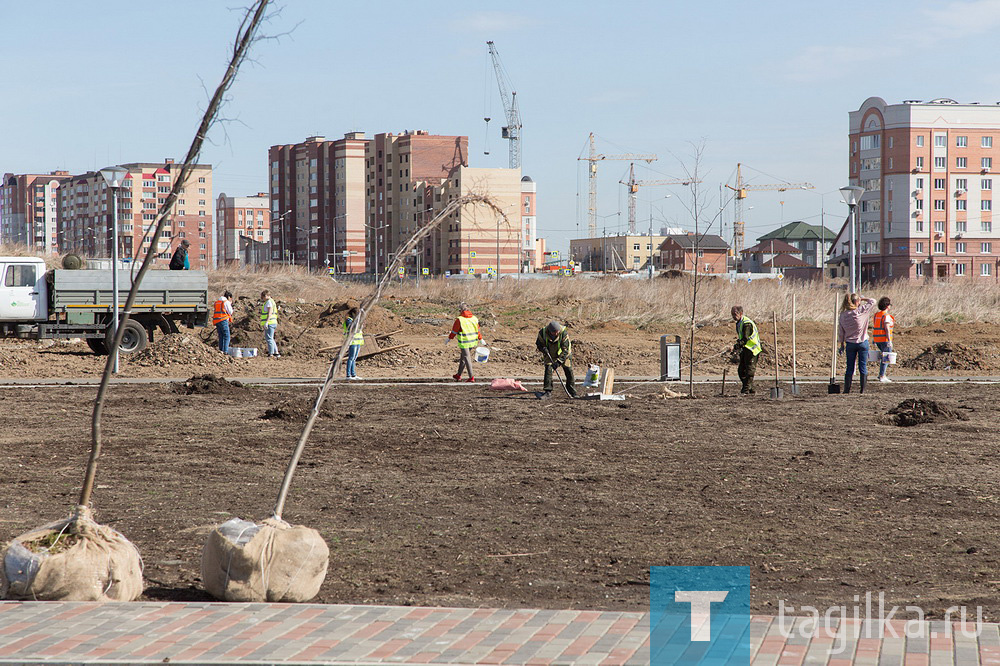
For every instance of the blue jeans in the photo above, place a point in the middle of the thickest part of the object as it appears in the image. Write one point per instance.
(222, 329)
(272, 349)
(884, 347)
(857, 351)
(352, 357)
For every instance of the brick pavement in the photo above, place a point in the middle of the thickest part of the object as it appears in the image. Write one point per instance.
(218, 633)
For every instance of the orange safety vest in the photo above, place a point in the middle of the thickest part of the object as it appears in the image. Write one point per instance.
(220, 312)
(883, 331)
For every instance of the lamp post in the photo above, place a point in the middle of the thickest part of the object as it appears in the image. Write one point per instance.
(651, 233)
(113, 177)
(852, 194)
(271, 236)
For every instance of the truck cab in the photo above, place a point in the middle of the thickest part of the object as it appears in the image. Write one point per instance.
(23, 289)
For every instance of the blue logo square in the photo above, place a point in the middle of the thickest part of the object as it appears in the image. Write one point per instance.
(700, 616)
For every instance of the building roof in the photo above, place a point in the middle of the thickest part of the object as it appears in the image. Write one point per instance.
(772, 247)
(705, 241)
(794, 231)
(785, 261)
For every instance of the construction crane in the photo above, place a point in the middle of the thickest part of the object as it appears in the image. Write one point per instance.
(633, 191)
(594, 157)
(741, 191)
(512, 131)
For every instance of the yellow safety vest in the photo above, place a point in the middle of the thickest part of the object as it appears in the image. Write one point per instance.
(753, 341)
(359, 338)
(469, 336)
(269, 316)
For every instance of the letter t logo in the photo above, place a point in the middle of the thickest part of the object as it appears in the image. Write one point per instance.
(701, 605)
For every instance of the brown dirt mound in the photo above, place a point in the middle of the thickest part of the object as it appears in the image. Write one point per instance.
(915, 411)
(209, 384)
(182, 348)
(295, 411)
(948, 356)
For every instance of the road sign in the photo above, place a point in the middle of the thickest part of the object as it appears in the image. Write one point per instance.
(472, 271)
(425, 271)
(490, 270)
(472, 254)
(401, 271)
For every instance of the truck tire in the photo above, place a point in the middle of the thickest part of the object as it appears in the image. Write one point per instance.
(97, 346)
(134, 339)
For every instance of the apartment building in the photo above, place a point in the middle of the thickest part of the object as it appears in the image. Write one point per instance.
(927, 171)
(28, 209)
(84, 214)
(242, 223)
(708, 253)
(615, 253)
(318, 203)
(531, 252)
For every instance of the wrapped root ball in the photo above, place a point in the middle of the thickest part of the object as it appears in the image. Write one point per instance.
(270, 561)
(74, 559)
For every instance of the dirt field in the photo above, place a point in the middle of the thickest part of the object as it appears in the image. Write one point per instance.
(458, 495)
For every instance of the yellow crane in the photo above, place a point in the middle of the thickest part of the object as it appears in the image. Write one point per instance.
(741, 189)
(633, 191)
(594, 157)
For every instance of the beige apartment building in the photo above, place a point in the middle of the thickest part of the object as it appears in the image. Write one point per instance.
(28, 209)
(318, 198)
(928, 173)
(243, 229)
(84, 214)
(615, 253)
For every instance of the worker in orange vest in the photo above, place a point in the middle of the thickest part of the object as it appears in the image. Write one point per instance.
(221, 317)
(466, 329)
(882, 335)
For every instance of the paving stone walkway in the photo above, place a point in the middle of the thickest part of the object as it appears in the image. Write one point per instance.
(217, 633)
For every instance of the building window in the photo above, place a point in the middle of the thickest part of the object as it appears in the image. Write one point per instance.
(920, 225)
(890, 142)
(987, 142)
(960, 204)
(871, 142)
(920, 181)
(938, 248)
(986, 248)
(986, 183)
(986, 204)
(920, 270)
(959, 269)
(959, 248)
(940, 140)
(918, 248)
(986, 225)
(961, 142)
(888, 270)
(986, 163)
(920, 140)
(960, 162)
(985, 270)
(939, 204)
(962, 184)
(201, 179)
(939, 226)
(920, 162)
(939, 183)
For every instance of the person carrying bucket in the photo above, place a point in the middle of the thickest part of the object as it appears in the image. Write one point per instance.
(554, 343)
(882, 335)
(466, 329)
(747, 346)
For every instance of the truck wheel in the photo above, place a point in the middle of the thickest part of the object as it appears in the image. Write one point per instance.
(134, 339)
(97, 346)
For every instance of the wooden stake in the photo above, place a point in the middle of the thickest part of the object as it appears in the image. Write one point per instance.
(774, 324)
(793, 339)
(607, 381)
(723, 394)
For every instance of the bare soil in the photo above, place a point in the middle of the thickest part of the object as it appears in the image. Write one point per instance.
(459, 495)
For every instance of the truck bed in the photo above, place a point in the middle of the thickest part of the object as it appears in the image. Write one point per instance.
(88, 291)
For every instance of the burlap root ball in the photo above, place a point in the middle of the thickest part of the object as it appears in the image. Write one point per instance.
(74, 559)
(271, 561)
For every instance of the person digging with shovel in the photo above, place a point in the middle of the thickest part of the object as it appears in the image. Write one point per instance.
(747, 346)
(554, 343)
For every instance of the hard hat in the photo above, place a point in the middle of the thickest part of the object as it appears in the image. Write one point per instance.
(554, 327)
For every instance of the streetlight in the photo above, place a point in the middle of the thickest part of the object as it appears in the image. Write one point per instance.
(651, 233)
(271, 239)
(852, 194)
(113, 177)
(310, 231)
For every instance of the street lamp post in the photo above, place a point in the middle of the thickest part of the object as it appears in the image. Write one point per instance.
(852, 194)
(113, 177)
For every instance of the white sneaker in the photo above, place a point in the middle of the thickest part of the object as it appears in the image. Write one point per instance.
(885, 380)
(354, 377)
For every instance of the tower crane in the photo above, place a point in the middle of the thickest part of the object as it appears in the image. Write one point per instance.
(633, 191)
(593, 158)
(741, 191)
(512, 131)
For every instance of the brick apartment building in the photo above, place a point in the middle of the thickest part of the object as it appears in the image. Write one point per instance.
(678, 252)
(927, 170)
(318, 197)
(241, 222)
(84, 213)
(28, 209)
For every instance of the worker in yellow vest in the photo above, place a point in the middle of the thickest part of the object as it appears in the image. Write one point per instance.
(269, 322)
(466, 329)
(357, 342)
(747, 346)
(882, 335)
(221, 317)
(557, 352)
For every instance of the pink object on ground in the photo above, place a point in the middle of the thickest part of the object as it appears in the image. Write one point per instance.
(501, 384)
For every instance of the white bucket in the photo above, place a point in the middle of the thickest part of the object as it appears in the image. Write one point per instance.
(249, 352)
(482, 354)
(593, 376)
(236, 352)
(890, 358)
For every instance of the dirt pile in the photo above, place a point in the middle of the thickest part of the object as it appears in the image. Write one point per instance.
(915, 411)
(209, 384)
(292, 338)
(949, 356)
(296, 412)
(179, 348)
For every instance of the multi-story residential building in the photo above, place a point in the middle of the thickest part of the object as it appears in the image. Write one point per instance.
(242, 222)
(530, 250)
(402, 173)
(28, 207)
(687, 252)
(810, 241)
(927, 171)
(615, 253)
(84, 214)
(318, 199)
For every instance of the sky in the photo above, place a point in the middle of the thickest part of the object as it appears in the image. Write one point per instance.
(766, 84)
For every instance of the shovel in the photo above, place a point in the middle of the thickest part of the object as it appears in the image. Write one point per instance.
(795, 386)
(834, 387)
(776, 393)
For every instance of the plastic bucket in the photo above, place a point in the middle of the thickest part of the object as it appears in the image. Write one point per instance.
(593, 376)
(890, 358)
(482, 354)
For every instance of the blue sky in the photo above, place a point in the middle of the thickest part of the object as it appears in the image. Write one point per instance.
(768, 84)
